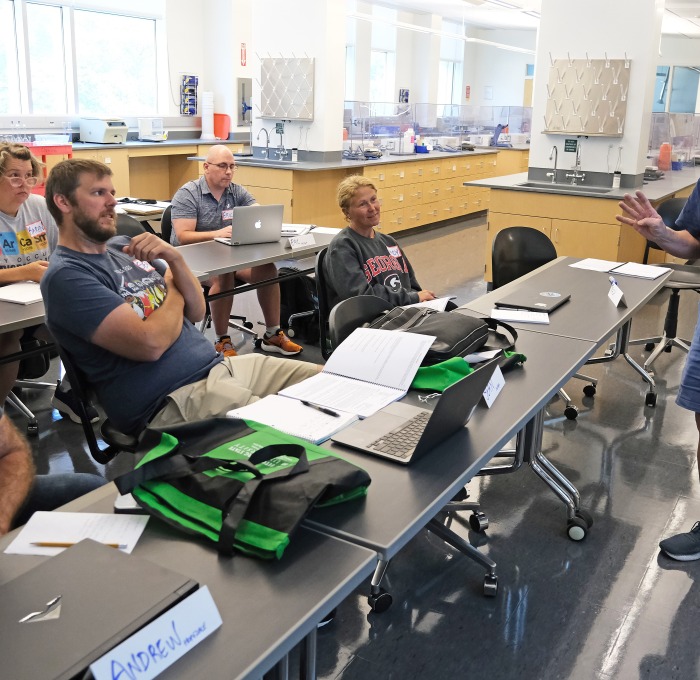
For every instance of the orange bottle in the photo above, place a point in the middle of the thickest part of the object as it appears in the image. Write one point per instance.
(665, 156)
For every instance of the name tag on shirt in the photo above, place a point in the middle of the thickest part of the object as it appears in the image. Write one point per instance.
(394, 251)
(36, 229)
(227, 214)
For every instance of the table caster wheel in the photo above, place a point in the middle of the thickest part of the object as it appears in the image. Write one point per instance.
(650, 399)
(478, 521)
(379, 602)
(649, 347)
(589, 390)
(291, 332)
(667, 349)
(571, 412)
(490, 585)
(248, 325)
(257, 343)
(585, 516)
(577, 528)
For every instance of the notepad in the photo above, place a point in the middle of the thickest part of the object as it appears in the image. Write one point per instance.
(291, 416)
(22, 293)
(369, 370)
(520, 316)
(640, 271)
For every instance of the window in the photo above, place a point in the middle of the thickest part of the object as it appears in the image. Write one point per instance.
(9, 81)
(449, 82)
(83, 61)
(382, 73)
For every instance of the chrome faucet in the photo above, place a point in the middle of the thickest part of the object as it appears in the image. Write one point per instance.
(553, 155)
(267, 140)
(577, 174)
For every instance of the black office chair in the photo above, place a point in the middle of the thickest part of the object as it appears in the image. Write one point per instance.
(29, 371)
(323, 304)
(128, 225)
(343, 319)
(166, 224)
(517, 251)
(115, 440)
(683, 277)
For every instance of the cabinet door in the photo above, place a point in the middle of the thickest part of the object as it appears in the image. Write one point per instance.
(396, 175)
(392, 220)
(585, 239)
(377, 173)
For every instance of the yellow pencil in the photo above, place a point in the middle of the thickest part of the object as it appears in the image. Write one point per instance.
(60, 544)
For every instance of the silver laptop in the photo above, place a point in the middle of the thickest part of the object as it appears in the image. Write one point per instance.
(255, 224)
(402, 433)
(105, 596)
(533, 299)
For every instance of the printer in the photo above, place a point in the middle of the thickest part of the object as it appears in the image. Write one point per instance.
(103, 130)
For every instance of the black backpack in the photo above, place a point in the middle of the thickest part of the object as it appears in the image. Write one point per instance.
(299, 306)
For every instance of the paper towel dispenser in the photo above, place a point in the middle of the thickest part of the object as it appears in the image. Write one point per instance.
(103, 130)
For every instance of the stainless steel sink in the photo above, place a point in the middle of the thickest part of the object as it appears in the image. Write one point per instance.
(564, 188)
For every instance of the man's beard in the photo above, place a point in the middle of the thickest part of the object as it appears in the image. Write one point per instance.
(93, 229)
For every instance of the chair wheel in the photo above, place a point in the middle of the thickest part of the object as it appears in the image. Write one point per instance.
(649, 347)
(589, 390)
(248, 325)
(478, 521)
(667, 348)
(257, 343)
(291, 332)
(571, 412)
(650, 399)
(577, 528)
(585, 516)
(490, 585)
(32, 429)
(379, 602)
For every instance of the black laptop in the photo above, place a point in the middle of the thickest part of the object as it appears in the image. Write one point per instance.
(402, 432)
(71, 609)
(533, 299)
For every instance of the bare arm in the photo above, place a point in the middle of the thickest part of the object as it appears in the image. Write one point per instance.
(149, 247)
(16, 472)
(643, 218)
(186, 232)
(27, 272)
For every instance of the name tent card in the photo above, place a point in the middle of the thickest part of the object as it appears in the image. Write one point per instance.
(302, 241)
(157, 646)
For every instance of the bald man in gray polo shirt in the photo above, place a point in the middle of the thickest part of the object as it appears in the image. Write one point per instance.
(202, 210)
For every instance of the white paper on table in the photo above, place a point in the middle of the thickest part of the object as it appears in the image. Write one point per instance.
(344, 394)
(595, 265)
(640, 271)
(438, 304)
(72, 527)
(519, 316)
(480, 357)
(325, 230)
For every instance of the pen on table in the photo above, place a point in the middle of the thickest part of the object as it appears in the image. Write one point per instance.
(327, 411)
(65, 544)
(612, 280)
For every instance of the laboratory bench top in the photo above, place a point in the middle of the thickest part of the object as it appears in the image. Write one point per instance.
(657, 190)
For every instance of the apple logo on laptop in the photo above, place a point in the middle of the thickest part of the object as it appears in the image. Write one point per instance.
(258, 224)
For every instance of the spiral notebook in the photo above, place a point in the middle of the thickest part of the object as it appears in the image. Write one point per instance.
(369, 370)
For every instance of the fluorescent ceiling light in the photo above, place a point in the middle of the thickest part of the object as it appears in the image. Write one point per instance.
(502, 3)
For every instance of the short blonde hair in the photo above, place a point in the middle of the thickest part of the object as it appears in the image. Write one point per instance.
(21, 153)
(348, 187)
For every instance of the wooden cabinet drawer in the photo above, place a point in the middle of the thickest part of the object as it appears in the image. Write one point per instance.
(377, 173)
(392, 220)
(395, 174)
(414, 194)
(432, 191)
(393, 197)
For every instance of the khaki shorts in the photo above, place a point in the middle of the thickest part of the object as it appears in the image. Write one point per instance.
(235, 382)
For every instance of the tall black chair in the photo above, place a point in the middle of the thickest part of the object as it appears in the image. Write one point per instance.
(517, 251)
(166, 224)
(323, 304)
(343, 319)
(115, 440)
(683, 277)
(128, 225)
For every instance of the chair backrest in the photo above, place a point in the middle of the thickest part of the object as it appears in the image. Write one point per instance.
(323, 307)
(669, 211)
(352, 313)
(517, 251)
(128, 225)
(166, 224)
(116, 441)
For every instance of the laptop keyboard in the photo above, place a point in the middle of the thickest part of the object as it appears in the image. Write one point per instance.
(402, 441)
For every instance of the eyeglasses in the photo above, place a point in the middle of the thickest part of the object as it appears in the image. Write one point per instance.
(17, 182)
(224, 166)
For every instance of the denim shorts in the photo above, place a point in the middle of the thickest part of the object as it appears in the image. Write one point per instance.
(689, 390)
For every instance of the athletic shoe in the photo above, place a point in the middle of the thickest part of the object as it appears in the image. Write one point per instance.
(224, 346)
(66, 404)
(326, 619)
(280, 343)
(684, 547)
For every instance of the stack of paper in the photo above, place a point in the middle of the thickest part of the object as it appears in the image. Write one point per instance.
(640, 271)
(519, 316)
(22, 293)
